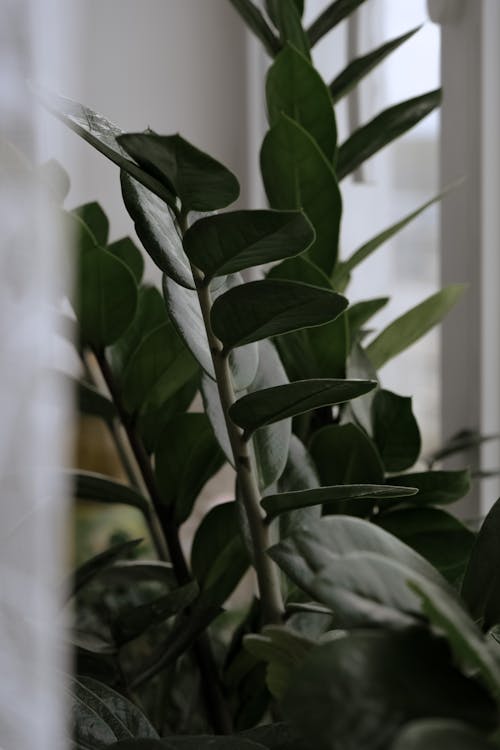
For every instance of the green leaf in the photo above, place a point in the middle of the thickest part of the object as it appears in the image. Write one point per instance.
(158, 368)
(150, 424)
(105, 295)
(271, 9)
(481, 585)
(186, 742)
(383, 129)
(364, 589)
(150, 314)
(278, 736)
(257, 23)
(236, 240)
(330, 17)
(359, 366)
(187, 456)
(156, 228)
(343, 269)
(99, 488)
(102, 135)
(128, 252)
(95, 220)
(435, 487)
(283, 650)
(91, 402)
(307, 551)
(213, 410)
(314, 352)
(344, 454)
(439, 734)
(390, 679)
(395, 430)
(404, 331)
(201, 182)
(464, 637)
(297, 175)
(134, 621)
(102, 716)
(218, 556)
(461, 442)
(273, 404)
(286, 17)
(295, 88)
(286, 501)
(359, 313)
(271, 443)
(184, 309)
(299, 474)
(260, 309)
(361, 66)
(93, 567)
(434, 534)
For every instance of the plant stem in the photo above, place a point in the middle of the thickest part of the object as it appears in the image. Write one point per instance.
(267, 573)
(217, 709)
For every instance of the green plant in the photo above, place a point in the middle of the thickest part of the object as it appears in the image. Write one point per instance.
(358, 637)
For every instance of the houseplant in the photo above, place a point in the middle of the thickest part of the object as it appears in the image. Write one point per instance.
(358, 613)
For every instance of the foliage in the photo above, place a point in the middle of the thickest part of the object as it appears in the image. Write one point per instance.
(375, 622)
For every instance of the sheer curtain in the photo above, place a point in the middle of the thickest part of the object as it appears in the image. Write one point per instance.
(33, 414)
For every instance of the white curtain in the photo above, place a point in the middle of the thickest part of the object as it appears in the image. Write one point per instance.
(32, 411)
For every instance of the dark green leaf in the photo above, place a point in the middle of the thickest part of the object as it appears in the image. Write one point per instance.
(439, 734)
(436, 487)
(151, 424)
(99, 488)
(273, 404)
(91, 402)
(131, 572)
(283, 650)
(271, 443)
(404, 331)
(185, 742)
(286, 17)
(330, 17)
(89, 569)
(299, 474)
(364, 589)
(344, 454)
(187, 456)
(343, 269)
(102, 135)
(359, 366)
(285, 501)
(481, 585)
(156, 228)
(434, 534)
(213, 410)
(308, 550)
(297, 175)
(465, 639)
(150, 314)
(184, 308)
(128, 252)
(95, 220)
(236, 240)
(314, 352)
(361, 66)
(257, 23)
(295, 88)
(136, 620)
(123, 717)
(389, 678)
(158, 368)
(383, 129)
(261, 309)
(218, 556)
(359, 313)
(201, 182)
(106, 292)
(395, 430)
(279, 736)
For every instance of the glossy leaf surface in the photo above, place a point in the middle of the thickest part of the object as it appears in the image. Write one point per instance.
(201, 182)
(236, 240)
(436, 487)
(260, 309)
(297, 174)
(481, 585)
(395, 430)
(345, 455)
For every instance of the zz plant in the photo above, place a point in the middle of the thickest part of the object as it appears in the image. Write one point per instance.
(375, 622)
